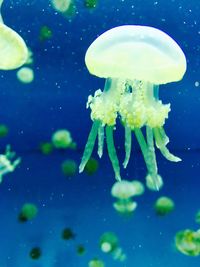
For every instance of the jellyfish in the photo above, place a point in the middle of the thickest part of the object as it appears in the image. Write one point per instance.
(164, 205)
(7, 164)
(3, 130)
(35, 253)
(134, 60)
(25, 75)
(69, 168)
(62, 139)
(13, 50)
(96, 263)
(28, 212)
(188, 242)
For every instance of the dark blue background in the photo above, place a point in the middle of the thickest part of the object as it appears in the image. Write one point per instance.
(56, 99)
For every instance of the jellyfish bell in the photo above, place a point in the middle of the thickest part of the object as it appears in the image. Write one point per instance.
(134, 60)
(136, 52)
(13, 50)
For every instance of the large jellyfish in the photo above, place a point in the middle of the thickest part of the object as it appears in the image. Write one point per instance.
(134, 60)
(13, 50)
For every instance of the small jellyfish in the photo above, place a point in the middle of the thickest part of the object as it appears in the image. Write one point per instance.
(92, 166)
(46, 148)
(13, 50)
(25, 75)
(3, 130)
(80, 250)
(124, 191)
(134, 60)
(66, 7)
(45, 33)
(68, 234)
(62, 139)
(69, 167)
(96, 263)
(164, 205)
(28, 212)
(35, 253)
(91, 3)
(108, 242)
(188, 242)
(6, 162)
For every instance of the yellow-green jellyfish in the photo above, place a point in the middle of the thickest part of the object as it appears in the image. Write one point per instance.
(164, 205)
(62, 139)
(25, 75)
(188, 242)
(13, 50)
(96, 263)
(134, 60)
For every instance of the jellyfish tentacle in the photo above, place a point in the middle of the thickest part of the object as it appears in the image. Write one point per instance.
(161, 142)
(128, 142)
(112, 152)
(100, 140)
(148, 154)
(89, 145)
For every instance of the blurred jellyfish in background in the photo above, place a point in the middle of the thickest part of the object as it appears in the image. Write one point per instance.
(68, 234)
(25, 75)
(66, 7)
(7, 164)
(92, 166)
(28, 212)
(134, 60)
(109, 243)
(164, 205)
(35, 253)
(46, 148)
(45, 33)
(150, 184)
(91, 3)
(69, 168)
(124, 191)
(188, 242)
(96, 263)
(62, 139)
(80, 250)
(3, 130)
(13, 50)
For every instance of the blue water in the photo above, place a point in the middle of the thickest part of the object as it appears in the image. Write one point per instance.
(56, 99)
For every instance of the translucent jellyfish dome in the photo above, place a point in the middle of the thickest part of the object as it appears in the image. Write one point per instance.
(136, 52)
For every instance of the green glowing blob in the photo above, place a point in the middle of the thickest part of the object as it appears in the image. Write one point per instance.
(69, 167)
(46, 148)
(164, 205)
(80, 250)
(92, 166)
(108, 242)
(25, 75)
(13, 50)
(61, 139)
(66, 7)
(96, 263)
(188, 242)
(68, 234)
(3, 130)
(28, 212)
(91, 3)
(45, 33)
(134, 60)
